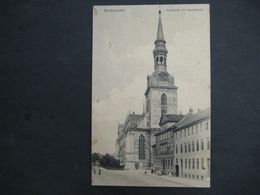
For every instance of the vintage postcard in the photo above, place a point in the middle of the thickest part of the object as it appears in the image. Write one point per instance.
(151, 96)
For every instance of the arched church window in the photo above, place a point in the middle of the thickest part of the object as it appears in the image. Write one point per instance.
(141, 147)
(164, 104)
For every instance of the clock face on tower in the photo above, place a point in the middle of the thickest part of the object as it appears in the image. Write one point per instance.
(164, 76)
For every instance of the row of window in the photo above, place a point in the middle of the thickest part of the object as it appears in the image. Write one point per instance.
(190, 146)
(165, 149)
(183, 148)
(194, 163)
(188, 164)
(192, 130)
(185, 132)
(193, 176)
(167, 163)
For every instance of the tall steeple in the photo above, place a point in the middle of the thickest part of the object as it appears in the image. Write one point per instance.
(160, 29)
(160, 51)
(161, 93)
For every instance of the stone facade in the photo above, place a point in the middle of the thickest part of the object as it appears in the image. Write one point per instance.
(153, 112)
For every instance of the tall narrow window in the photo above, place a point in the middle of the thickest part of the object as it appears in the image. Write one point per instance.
(157, 60)
(161, 60)
(141, 147)
(208, 144)
(164, 104)
(202, 145)
(197, 145)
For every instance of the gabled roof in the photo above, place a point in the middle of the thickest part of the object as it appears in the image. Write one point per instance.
(170, 118)
(187, 120)
(190, 118)
(134, 119)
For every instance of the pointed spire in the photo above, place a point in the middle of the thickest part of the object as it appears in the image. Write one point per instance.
(160, 29)
(160, 51)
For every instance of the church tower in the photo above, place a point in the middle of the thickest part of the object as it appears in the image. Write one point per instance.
(161, 93)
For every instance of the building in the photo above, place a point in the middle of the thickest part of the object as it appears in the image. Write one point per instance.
(160, 138)
(182, 146)
(136, 134)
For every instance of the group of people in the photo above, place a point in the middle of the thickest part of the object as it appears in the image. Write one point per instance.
(159, 172)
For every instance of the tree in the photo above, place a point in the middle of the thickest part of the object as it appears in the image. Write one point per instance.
(108, 161)
(96, 157)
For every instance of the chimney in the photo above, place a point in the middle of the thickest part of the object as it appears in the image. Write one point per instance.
(191, 110)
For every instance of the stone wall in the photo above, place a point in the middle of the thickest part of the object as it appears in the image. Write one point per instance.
(155, 104)
(132, 149)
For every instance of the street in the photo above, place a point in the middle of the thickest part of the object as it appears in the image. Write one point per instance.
(131, 178)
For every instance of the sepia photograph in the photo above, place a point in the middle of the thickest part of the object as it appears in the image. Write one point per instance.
(151, 109)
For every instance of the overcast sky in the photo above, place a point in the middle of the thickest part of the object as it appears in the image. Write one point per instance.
(123, 42)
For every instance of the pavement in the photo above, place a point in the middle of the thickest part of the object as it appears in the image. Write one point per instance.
(139, 178)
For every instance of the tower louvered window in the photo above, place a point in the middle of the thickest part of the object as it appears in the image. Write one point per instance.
(141, 147)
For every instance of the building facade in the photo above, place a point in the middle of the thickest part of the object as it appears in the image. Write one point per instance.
(183, 149)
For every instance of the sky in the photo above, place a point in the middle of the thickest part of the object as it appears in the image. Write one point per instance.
(123, 43)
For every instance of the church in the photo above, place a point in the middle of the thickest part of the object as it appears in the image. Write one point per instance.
(136, 135)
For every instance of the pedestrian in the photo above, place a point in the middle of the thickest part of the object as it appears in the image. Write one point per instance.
(145, 172)
(94, 171)
(99, 171)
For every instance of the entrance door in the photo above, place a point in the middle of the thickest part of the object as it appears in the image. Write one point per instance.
(163, 165)
(177, 170)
